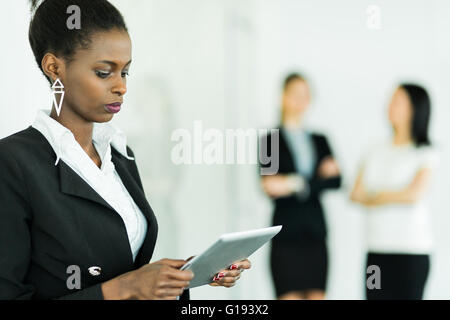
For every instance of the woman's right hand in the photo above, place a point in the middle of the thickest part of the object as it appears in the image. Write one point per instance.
(276, 186)
(160, 280)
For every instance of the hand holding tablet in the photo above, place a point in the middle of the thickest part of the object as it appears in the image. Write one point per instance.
(228, 277)
(228, 249)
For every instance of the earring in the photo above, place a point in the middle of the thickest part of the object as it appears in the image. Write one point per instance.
(58, 89)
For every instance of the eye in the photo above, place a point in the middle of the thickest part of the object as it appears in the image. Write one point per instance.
(102, 74)
(125, 74)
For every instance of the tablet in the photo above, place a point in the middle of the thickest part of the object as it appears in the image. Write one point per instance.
(229, 248)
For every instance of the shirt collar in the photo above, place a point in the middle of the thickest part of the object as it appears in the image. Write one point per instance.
(107, 133)
(57, 135)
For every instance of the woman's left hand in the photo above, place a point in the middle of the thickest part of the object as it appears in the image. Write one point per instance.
(228, 277)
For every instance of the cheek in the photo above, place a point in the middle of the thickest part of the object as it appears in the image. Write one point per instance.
(287, 102)
(391, 112)
(292, 101)
(295, 101)
(399, 113)
(304, 101)
(403, 112)
(88, 91)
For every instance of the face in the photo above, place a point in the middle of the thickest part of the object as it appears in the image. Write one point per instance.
(400, 109)
(296, 97)
(95, 81)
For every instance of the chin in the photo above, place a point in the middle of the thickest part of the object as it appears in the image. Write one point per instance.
(103, 118)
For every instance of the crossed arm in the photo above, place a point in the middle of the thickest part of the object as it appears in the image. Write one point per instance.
(408, 195)
(283, 185)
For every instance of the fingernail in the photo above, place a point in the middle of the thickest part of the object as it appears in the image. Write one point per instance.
(233, 267)
(219, 276)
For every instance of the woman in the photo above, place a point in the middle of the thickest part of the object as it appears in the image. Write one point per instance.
(299, 258)
(391, 184)
(74, 221)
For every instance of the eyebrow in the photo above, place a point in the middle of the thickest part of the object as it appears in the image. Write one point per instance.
(112, 63)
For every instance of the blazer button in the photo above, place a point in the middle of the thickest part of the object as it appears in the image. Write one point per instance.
(95, 271)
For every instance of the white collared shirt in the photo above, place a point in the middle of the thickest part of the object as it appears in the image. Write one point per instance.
(105, 180)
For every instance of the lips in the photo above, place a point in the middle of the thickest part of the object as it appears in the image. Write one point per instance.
(113, 107)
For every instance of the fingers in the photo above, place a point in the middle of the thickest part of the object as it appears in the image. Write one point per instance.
(226, 278)
(185, 275)
(243, 264)
(174, 263)
(232, 273)
(230, 279)
(326, 160)
(174, 284)
(170, 293)
(328, 168)
(173, 272)
(275, 186)
(227, 274)
(227, 281)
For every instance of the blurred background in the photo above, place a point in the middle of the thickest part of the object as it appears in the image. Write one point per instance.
(222, 62)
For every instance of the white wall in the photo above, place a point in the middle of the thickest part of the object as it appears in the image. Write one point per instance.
(222, 62)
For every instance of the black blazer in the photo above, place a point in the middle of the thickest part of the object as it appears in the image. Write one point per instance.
(302, 218)
(50, 218)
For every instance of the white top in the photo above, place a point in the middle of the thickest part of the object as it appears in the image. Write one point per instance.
(105, 180)
(398, 228)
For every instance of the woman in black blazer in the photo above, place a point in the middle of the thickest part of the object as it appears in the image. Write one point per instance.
(299, 258)
(59, 239)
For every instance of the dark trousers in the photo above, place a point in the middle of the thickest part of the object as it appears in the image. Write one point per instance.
(403, 276)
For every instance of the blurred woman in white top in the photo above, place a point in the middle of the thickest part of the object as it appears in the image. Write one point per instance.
(392, 185)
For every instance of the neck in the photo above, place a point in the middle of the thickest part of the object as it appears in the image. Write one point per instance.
(80, 128)
(402, 136)
(292, 121)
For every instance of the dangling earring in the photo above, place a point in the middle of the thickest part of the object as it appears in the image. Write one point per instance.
(58, 88)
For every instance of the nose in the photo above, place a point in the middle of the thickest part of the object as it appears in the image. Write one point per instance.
(120, 86)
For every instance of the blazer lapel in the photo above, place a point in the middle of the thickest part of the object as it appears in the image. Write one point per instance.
(139, 198)
(71, 183)
(285, 152)
(318, 156)
(135, 191)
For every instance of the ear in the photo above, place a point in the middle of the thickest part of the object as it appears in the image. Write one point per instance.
(53, 67)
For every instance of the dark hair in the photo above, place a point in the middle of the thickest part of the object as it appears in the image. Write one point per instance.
(292, 77)
(421, 105)
(48, 30)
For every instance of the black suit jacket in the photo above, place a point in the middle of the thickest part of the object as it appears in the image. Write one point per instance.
(302, 218)
(50, 219)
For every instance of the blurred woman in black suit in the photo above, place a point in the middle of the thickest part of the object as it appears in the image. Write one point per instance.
(299, 257)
